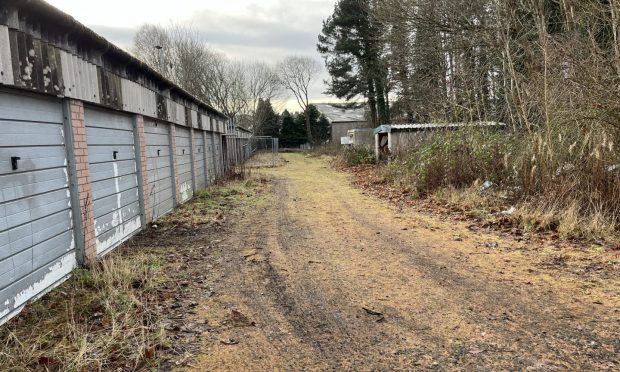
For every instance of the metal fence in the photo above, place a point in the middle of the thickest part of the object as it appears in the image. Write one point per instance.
(265, 146)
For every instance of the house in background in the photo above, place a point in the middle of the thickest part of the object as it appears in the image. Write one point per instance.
(343, 119)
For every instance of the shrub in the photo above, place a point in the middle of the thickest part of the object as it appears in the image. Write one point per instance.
(358, 155)
(562, 177)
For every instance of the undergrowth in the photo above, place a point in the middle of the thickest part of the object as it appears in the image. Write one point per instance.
(349, 155)
(100, 319)
(556, 179)
(113, 316)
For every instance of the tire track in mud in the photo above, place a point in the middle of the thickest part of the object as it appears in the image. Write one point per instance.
(322, 259)
(526, 316)
(302, 303)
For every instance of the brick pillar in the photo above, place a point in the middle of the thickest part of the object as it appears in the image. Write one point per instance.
(145, 195)
(175, 165)
(206, 156)
(82, 195)
(192, 144)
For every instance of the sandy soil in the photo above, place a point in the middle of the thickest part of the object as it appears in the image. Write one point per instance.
(319, 276)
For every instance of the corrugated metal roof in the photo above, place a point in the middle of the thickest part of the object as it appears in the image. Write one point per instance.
(429, 126)
(53, 30)
(337, 114)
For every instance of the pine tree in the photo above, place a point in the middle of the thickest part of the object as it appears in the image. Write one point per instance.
(350, 43)
(267, 120)
(293, 132)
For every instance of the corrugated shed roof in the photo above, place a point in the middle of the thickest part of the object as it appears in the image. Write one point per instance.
(337, 114)
(420, 127)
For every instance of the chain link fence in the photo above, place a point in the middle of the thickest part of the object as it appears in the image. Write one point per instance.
(263, 151)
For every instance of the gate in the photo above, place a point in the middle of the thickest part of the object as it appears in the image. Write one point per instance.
(211, 164)
(199, 160)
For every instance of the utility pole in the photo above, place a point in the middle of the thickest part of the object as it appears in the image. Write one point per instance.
(162, 64)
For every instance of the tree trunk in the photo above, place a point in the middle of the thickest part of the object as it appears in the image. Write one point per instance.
(372, 103)
(381, 106)
(309, 127)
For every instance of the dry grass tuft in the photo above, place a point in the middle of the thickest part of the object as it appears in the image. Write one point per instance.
(101, 319)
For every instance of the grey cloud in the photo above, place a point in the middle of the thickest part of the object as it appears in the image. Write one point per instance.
(268, 32)
(122, 37)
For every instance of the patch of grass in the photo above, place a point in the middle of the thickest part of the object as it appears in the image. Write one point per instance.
(104, 318)
(213, 201)
(115, 315)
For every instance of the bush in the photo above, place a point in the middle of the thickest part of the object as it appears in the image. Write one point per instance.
(358, 155)
(456, 159)
(559, 178)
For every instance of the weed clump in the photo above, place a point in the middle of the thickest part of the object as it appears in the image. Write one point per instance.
(100, 319)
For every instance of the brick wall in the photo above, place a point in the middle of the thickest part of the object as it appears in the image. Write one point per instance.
(205, 153)
(192, 144)
(175, 166)
(80, 150)
(147, 203)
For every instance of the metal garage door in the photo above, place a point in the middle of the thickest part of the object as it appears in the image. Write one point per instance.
(113, 173)
(37, 247)
(184, 162)
(199, 160)
(159, 168)
(211, 170)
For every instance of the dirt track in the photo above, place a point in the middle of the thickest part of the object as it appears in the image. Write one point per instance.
(319, 276)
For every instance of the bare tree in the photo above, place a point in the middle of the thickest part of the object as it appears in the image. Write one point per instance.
(225, 84)
(177, 52)
(234, 87)
(262, 83)
(151, 44)
(297, 74)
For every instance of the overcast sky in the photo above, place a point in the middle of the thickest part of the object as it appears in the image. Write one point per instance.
(247, 29)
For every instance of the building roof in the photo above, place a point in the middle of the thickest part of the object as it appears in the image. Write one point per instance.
(55, 30)
(431, 126)
(337, 114)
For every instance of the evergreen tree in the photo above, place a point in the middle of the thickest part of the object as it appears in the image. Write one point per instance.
(293, 132)
(267, 120)
(321, 129)
(351, 45)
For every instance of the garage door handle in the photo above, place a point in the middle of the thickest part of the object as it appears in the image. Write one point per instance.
(14, 160)
(158, 151)
(114, 154)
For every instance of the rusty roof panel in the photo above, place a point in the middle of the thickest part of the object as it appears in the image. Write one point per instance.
(6, 64)
(45, 50)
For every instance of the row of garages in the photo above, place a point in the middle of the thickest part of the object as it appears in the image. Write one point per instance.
(41, 176)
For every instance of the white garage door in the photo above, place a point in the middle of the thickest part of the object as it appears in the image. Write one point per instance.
(37, 247)
(114, 177)
(159, 167)
(199, 159)
(184, 162)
